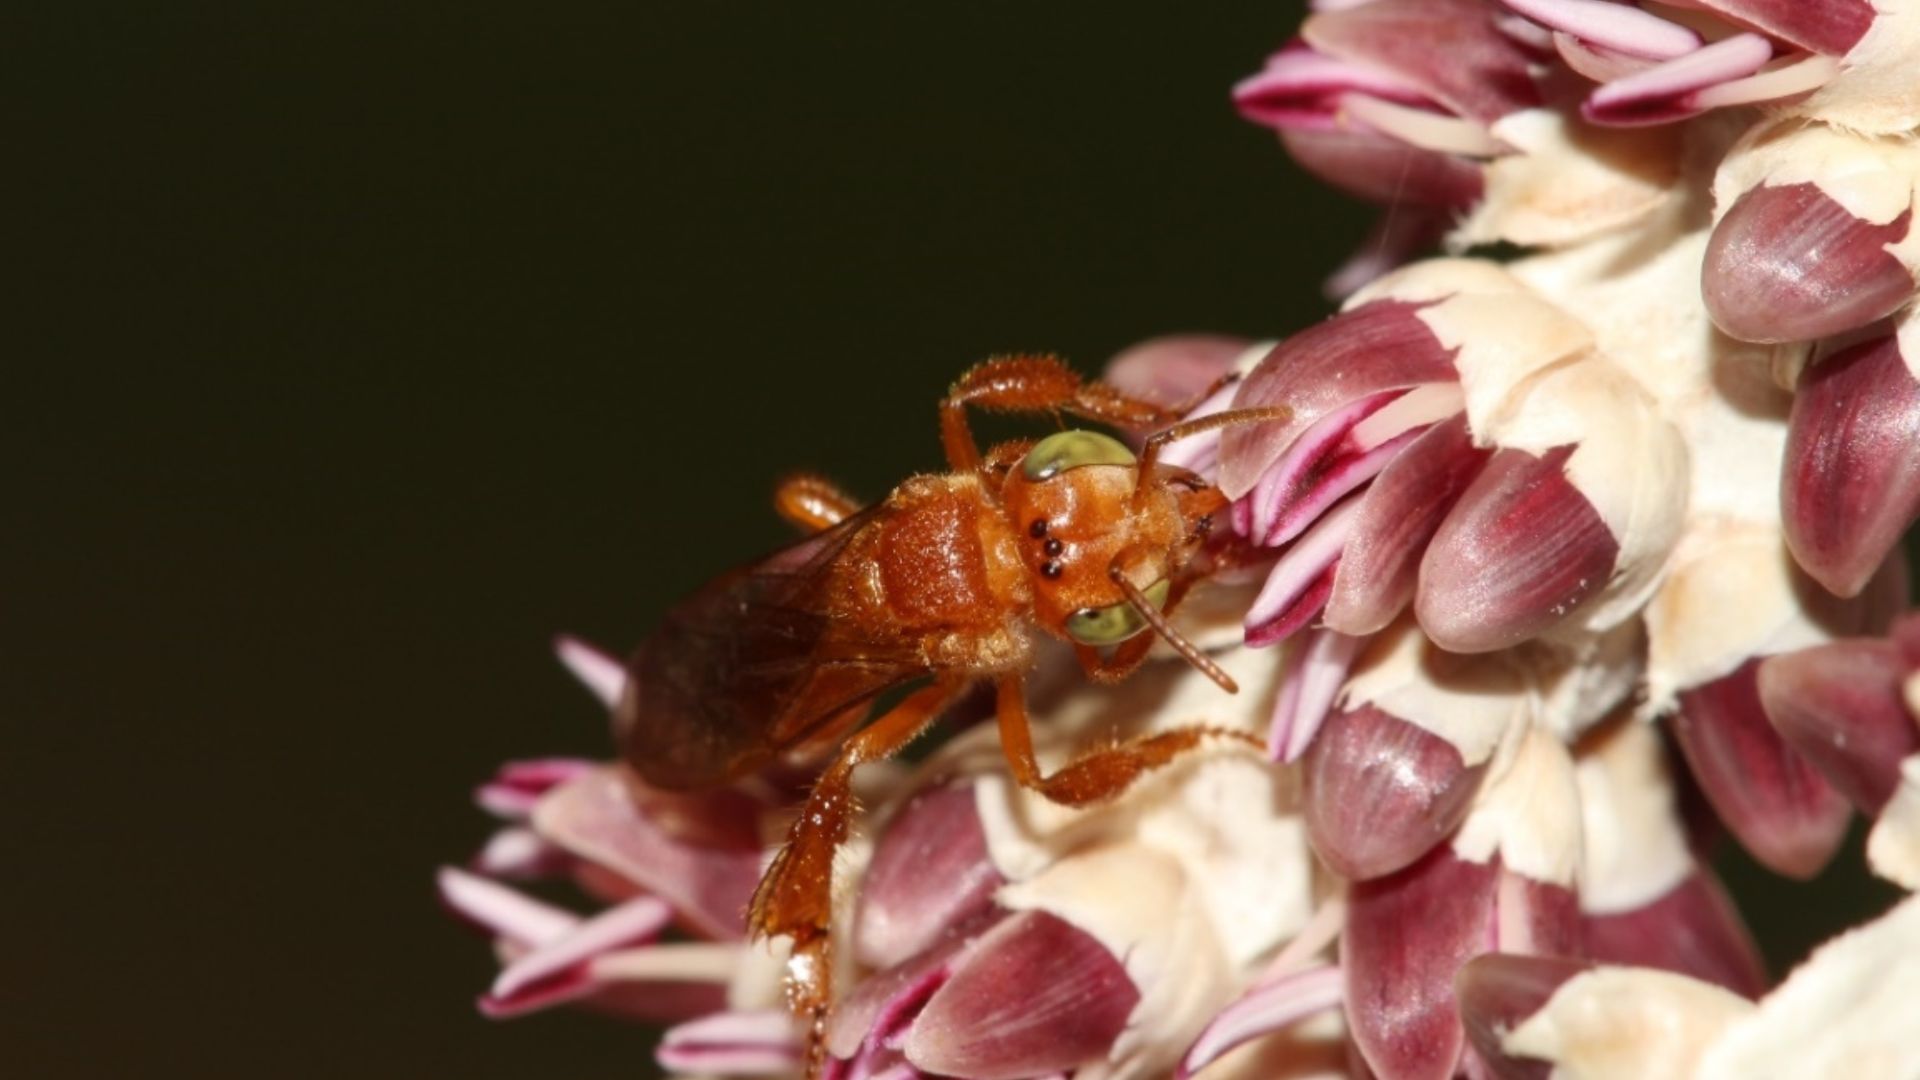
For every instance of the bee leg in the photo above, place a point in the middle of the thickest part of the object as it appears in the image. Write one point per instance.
(1034, 383)
(1101, 774)
(795, 898)
(812, 502)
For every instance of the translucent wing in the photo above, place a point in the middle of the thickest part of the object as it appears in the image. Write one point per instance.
(752, 664)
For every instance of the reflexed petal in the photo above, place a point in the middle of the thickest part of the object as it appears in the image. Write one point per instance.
(1839, 705)
(1034, 996)
(884, 1003)
(1693, 929)
(598, 671)
(1602, 65)
(1670, 91)
(518, 785)
(1620, 28)
(1396, 517)
(1497, 993)
(1383, 169)
(633, 922)
(595, 817)
(1298, 585)
(1851, 485)
(1381, 792)
(1264, 1009)
(1828, 26)
(1452, 50)
(929, 871)
(1300, 88)
(1789, 263)
(501, 911)
(1374, 348)
(1313, 680)
(1343, 450)
(1517, 554)
(1406, 937)
(1175, 370)
(520, 852)
(759, 1043)
(1781, 810)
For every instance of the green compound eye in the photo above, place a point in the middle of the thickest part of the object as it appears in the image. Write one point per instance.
(1114, 623)
(1065, 450)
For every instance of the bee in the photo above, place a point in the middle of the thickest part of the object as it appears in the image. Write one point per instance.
(944, 581)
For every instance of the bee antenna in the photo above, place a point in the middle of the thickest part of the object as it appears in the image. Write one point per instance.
(1187, 649)
(1200, 425)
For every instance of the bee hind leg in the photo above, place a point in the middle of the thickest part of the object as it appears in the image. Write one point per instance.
(812, 502)
(795, 897)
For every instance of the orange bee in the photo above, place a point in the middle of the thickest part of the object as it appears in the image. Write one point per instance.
(943, 580)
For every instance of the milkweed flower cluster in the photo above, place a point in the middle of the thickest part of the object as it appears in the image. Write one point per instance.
(1546, 542)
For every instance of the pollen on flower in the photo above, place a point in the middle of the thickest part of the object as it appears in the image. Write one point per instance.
(1506, 556)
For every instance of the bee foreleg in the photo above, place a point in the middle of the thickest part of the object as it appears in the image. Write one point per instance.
(1101, 774)
(795, 898)
(1034, 384)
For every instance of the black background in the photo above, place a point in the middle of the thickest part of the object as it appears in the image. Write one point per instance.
(362, 347)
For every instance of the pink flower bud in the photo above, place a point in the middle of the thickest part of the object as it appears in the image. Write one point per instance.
(1519, 552)
(1839, 705)
(1779, 807)
(929, 871)
(1381, 792)
(1789, 263)
(1497, 993)
(1851, 483)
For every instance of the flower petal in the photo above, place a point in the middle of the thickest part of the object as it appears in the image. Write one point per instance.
(1452, 50)
(1382, 169)
(504, 912)
(708, 884)
(1381, 792)
(1406, 937)
(1669, 91)
(637, 920)
(756, 1043)
(1175, 370)
(1314, 677)
(518, 785)
(1376, 347)
(1789, 263)
(1266, 1008)
(603, 675)
(1520, 550)
(1298, 585)
(1839, 705)
(1830, 26)
(930, 870)
(1847, 1011)
(1497, 993)
(1693, 930)
(1780, 809)
(1034, 996)
(1851, 485)
(1620, 28)
(1394, 520)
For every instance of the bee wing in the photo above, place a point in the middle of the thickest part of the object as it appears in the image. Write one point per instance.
(752, 664)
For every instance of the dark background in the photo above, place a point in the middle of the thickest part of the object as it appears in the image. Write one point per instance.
(363, 347)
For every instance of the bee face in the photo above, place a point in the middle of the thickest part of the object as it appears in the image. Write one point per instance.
(1072, 500)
